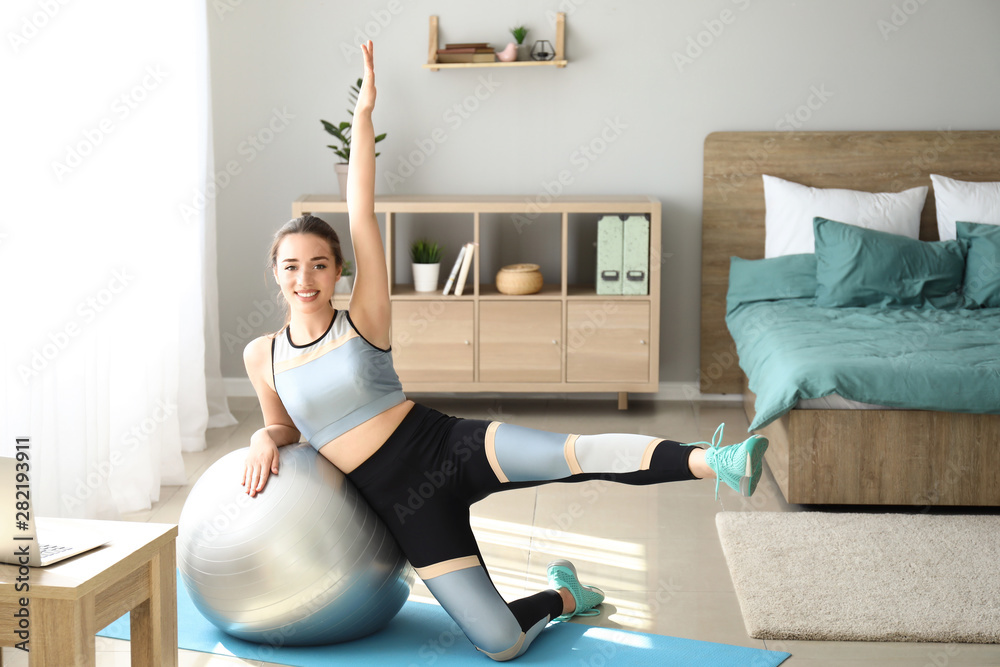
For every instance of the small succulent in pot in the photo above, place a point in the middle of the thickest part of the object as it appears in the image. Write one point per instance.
(426, 256)
(521, 50)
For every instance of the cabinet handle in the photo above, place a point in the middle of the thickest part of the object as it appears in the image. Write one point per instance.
(642, 342)
(555, 342)
(466, 342)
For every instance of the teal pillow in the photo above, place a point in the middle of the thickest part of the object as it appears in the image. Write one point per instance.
(864, 267)
(982, 265)
(785, 277)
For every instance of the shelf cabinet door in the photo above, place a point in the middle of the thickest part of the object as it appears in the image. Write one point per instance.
(432, 341)
(607, 341)
(520, 341)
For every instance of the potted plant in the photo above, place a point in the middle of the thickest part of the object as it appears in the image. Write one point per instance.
(342, 132)
(426, 257)
(519, 32)
(346, 283)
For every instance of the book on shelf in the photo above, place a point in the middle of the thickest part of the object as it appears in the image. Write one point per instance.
(468, 49)
(454, 271)
(468, 45)
(470, 250)
(466, 57)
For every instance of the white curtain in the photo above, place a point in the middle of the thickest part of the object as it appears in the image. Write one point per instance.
(107, 250)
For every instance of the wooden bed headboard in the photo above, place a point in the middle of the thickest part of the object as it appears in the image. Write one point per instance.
(732, 220)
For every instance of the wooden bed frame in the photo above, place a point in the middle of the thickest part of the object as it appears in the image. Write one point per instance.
(868, 457)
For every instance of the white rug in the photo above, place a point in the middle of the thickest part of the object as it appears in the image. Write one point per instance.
(870, 577)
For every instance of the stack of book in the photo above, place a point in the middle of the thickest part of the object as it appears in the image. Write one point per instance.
(473, 52)
(460, 270)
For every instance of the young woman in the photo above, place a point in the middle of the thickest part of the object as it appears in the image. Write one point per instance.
(328, 376)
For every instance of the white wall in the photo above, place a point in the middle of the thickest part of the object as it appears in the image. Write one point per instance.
(826, 65)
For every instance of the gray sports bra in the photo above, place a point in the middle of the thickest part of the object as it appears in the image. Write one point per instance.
(334, 383)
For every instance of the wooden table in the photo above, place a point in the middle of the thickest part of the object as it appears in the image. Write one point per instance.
(73, 599)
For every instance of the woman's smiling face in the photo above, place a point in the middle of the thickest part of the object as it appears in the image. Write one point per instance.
(306, 272)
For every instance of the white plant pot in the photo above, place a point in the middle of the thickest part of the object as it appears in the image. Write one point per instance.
(341, 170)
(345, 285)
(425, 277)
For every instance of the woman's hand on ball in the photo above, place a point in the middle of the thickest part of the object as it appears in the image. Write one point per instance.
(262, 461)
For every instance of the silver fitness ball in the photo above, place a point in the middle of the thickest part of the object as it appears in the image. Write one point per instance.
(305, 562)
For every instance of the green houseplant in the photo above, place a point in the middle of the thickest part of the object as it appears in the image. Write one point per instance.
(342, 132)
(423, 251)
(519, 32)
(426, 258)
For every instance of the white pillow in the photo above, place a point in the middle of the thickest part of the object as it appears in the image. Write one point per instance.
(966, 201)
(791, 207)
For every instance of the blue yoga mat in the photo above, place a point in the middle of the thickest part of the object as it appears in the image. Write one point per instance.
(424, 634)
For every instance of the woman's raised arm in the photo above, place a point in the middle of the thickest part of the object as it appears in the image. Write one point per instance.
(369, 305)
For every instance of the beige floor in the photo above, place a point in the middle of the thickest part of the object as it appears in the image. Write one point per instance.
(654, 550)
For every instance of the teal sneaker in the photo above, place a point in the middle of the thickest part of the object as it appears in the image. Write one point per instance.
(739, 466)
(562, 574)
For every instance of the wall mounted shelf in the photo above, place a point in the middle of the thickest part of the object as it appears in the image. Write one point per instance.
(558, 61)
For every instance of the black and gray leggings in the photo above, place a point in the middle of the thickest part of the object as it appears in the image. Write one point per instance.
(433, 467)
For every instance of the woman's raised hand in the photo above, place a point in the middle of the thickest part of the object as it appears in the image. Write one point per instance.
(366, 96)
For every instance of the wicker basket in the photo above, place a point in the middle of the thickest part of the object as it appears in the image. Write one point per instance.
(519, 279)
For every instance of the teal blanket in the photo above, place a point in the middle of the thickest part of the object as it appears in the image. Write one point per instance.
(925, 359)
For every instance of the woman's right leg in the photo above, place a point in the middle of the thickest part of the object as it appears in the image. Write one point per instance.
(500, 629)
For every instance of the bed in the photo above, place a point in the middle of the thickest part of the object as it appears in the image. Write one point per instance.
(878, 455)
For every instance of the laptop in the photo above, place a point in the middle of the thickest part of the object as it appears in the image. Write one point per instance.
(35, 541)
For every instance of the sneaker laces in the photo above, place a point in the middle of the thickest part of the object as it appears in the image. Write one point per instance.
(590, 612)
(716, 441)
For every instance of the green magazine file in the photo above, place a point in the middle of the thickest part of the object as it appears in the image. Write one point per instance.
(635, 264)
(609, 254)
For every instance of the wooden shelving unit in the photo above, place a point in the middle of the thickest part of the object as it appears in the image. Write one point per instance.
(565, 338)
(558, 61)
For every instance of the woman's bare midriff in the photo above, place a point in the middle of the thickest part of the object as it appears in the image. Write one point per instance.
(353, 448)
